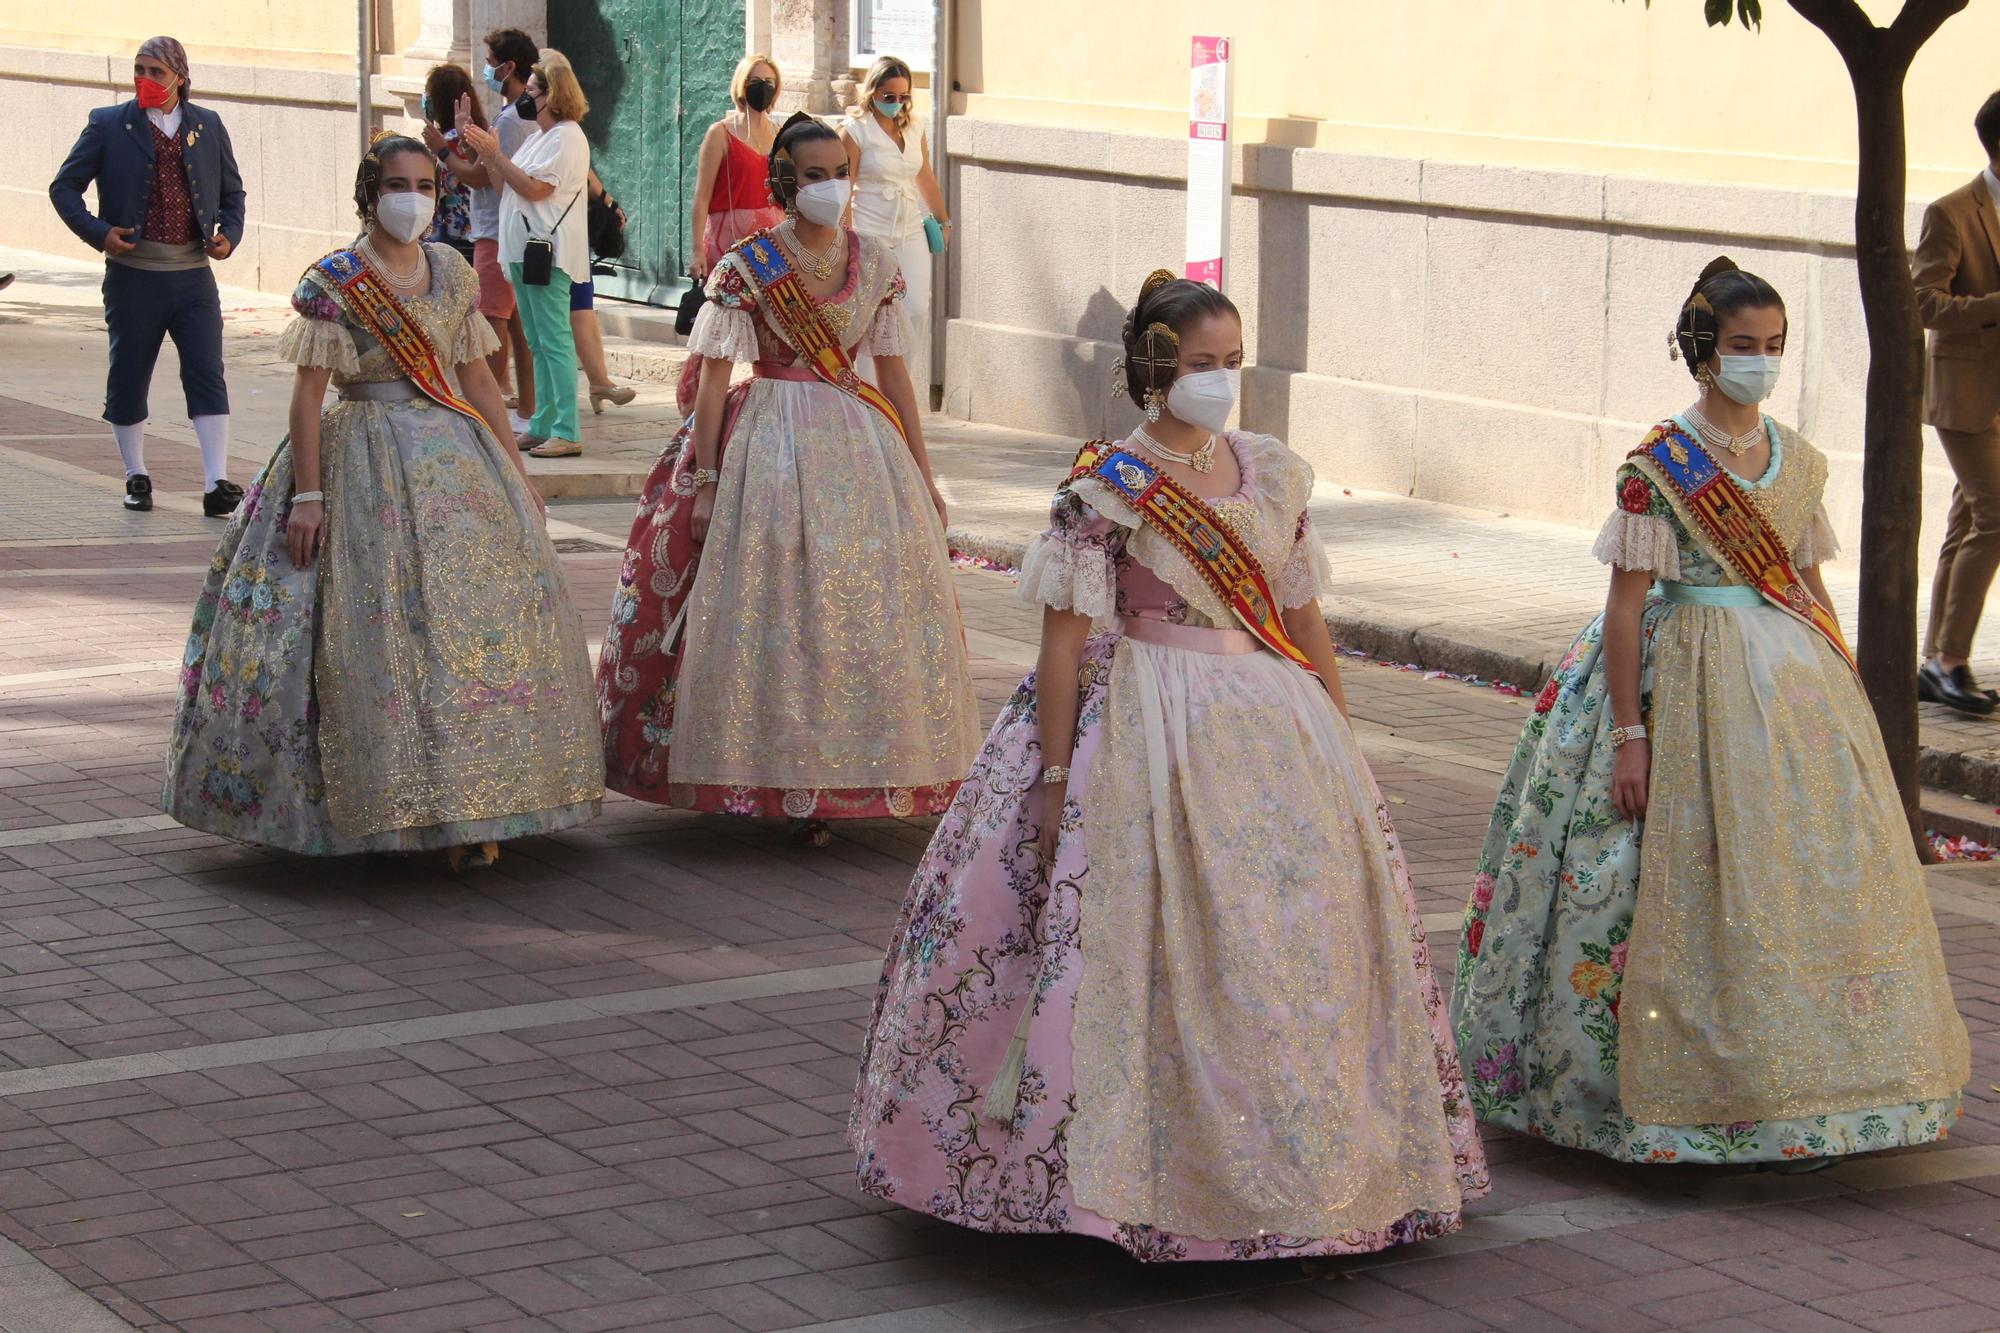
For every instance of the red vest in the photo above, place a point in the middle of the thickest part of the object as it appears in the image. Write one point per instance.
(170, 210)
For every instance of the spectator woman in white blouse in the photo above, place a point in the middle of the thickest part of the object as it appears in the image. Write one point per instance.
(889, 158)
(543, 200)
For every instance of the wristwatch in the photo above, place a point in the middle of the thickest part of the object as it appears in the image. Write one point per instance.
(1620, 735)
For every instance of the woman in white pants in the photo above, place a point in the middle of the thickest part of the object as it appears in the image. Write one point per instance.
(889, 159)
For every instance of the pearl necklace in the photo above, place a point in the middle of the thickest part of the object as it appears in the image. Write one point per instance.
(412, 282)
(819, 265)
(1735, 445)
(1201, 459)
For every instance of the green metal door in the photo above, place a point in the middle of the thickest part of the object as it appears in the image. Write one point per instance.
(657, 74)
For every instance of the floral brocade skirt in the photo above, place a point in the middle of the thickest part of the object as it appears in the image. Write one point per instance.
(423, 683)
(807, 660)
(1557, 919)
(1232, 1065)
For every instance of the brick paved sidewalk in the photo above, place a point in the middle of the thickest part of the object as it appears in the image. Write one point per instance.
(603, 1086)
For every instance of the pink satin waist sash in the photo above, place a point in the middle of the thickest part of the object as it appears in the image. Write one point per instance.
(1194, 638)
(771, 370)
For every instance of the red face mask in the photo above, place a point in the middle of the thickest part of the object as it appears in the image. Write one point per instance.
(152, 95)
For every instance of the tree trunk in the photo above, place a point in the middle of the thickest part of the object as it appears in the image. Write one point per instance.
(1892, 461)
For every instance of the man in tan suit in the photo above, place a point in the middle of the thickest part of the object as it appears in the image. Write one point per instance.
(1958, 293)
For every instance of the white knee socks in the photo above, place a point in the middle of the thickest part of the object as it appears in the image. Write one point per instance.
(132, 446)
(213, 432)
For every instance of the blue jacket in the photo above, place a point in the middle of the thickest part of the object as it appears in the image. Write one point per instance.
(116, 151)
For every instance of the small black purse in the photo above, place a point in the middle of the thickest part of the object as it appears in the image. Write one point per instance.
(607, 233)
(691, 302)
(538, 256)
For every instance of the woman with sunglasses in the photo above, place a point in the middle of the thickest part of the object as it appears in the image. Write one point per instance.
(889, 158)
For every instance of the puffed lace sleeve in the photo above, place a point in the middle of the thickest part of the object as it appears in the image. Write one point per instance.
(890, 336)
(1306, 574)
(1639, 536)
(723, 328)
(1819, 545)
(474, 341)
(1071, 567)
(317, 336)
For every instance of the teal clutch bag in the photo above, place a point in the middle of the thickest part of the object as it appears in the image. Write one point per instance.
(934, 235)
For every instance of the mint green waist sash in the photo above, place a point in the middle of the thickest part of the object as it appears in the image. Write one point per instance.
(1688, 594)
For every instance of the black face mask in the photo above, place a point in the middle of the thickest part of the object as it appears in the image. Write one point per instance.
(524, 106)
(760, 93)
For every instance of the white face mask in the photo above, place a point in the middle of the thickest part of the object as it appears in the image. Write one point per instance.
(822, 202)
(1205, 399)
(1749, 379)
(405, 215)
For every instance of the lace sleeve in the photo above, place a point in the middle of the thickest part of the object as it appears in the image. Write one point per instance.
(1639, 535)
(474, 341)
(317, 336)
(1071, 566)
(725, 333)
(1306, 574)
(1819, 545)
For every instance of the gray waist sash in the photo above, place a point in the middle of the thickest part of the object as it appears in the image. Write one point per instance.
(381, 391)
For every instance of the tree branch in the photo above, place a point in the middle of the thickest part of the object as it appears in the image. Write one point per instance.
(1846, 25)
(1918, 23)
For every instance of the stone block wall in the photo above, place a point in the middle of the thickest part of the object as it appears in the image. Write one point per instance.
(1490, 337)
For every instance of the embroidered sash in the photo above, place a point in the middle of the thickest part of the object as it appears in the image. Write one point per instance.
(783, 295)
(1714, 507)
(1198, 533)
(368, 301)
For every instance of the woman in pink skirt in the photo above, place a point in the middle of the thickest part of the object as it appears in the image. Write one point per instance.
(1193, 1013)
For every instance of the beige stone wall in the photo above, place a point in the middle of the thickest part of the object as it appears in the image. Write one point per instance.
(1605, 86)
(1484, 336)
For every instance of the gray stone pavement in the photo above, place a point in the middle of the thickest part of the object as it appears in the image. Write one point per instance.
(603, 1085)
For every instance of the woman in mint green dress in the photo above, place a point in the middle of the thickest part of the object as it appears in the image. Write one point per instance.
(1757, 978)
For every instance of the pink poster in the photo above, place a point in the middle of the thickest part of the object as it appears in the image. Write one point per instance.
(1209, 156)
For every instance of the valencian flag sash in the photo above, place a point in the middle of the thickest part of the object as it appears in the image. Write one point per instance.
(1194, 529)
(787, 303)
(368, 300)
(1713, 506)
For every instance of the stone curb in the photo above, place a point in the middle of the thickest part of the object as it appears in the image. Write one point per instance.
(1390, 635)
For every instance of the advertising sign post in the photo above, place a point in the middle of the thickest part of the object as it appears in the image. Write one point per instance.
(1210, 106)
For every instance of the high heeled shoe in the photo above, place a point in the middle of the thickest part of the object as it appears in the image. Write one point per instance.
(459, 859)
(616, 394)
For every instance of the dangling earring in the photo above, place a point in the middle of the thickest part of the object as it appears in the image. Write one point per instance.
(1705, 378)
(1156, 403)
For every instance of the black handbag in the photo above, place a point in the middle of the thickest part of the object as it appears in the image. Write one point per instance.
(538, 256)
(607, 233)
(691, 303)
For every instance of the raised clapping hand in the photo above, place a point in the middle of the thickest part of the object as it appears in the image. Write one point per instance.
(461, 113)
(484, 142)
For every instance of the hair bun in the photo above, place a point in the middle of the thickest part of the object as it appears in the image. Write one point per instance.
(1155, 280)
(1719, 264)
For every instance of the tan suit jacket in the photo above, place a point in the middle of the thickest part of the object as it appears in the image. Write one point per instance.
(1958, 293)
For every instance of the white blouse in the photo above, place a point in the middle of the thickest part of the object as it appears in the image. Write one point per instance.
(560, 156)
(886, 203)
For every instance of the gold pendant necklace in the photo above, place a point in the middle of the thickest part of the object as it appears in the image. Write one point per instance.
(1201, 460)
(820, 266)
(402, 282)
(1735, 445)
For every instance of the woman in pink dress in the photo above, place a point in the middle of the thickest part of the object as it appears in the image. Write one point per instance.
(1193, 1013)
(731, 199)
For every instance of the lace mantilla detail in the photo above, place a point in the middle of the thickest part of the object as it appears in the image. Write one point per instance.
(890, 336)
(723, 333)
(1819, 545)
(1641, 543)
(1069, 576)
(475, 341)
(1264, 516)
(1306, 574)
(322, 344)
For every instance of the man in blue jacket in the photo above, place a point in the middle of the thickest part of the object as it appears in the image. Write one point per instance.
(168, 201)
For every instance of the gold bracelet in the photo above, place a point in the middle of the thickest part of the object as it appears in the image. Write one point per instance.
(1055, 773)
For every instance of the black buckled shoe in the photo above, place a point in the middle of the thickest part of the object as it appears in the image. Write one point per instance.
(138, 492)
(222, 501)
(1954, 689)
